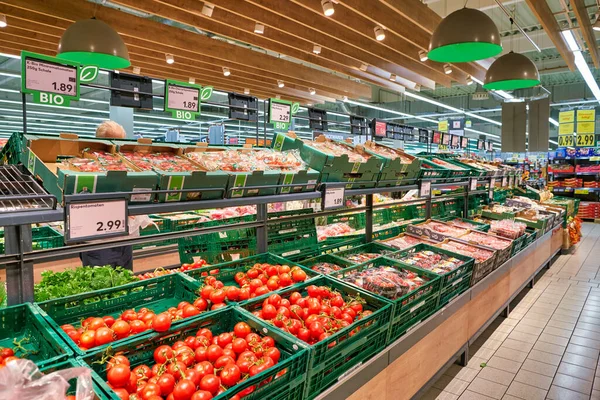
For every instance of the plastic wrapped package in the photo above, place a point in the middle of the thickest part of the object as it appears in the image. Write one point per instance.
(445, 229)
(360, 258)
(338, 149)
(405, 241)
(478, 253)
(22, 380)
(386, 281)
(97, 161)
(508, 228)
(435, 262)
(163, 161)
(325, 268)
(483, 239)
(334, 230)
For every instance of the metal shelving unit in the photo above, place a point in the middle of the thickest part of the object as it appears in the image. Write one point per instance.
(19, 258)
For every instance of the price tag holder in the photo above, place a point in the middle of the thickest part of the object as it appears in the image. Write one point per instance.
(491, 188)
(92, 220)
(280, 113)
(472, 184)
(333, 198)
(425, 189)
(504, 181)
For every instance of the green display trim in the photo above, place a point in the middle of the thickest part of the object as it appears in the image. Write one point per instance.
(37, 94)
(464, 52)
(180, 113)
(511, 84)
(102, 60)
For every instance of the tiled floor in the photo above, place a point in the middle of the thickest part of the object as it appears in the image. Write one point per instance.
(548, 348)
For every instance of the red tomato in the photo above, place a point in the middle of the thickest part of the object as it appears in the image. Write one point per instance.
(206, 333)
(177, 369)
(241, 329)
(294, 297)
(304, 334)
(166, 382)
(223, 361)
(190, 311)
(224, 339)
(202, 395)
(273, 353)
(239, 345)
(121, 329)
(184, 390)
(274, 300)
(118, 375)
(142, 372)
(137, 326)
(253, 273)
(268, 341)
(214, 352)
(206, 291)
(118, 359)
(73, 334)
(230, 375)
(204, 368)
(285, 279)
(255, 284)
(217, 296)
(201, 304)
(108, 320)
(298, 275)
(269, 311)
(120, 392)
(96, 323)
(244, 293)
(88, 339)
(261, 365)
(162, 353)
(150, 390)
(129, 315)
(232, 293)
(210, 383)
(161, 322)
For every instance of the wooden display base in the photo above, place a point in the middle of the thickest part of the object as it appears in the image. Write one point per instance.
(420, 356)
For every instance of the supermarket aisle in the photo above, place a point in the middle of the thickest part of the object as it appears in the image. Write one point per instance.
(548, 348)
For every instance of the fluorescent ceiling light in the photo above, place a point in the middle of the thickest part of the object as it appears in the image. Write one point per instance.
(363, 67)
(469, 80)
(581, 64)
(570, 39)
(393, 77)
(553, 121)
(312, 90)
(553, 142)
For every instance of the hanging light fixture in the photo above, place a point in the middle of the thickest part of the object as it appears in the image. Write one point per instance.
(363, 67)
(417, 87)
(393, 77)
(469, 80)
(246, 91)
(379, 33)
(192, 81)
(278, 97)
(280, 84)
(463, 36)
(511, 71)
(137, 70)
(3, 23)
(169, 58)
(259, 28)
(317, 49)
(423, 55)
(207, 10)
(447, 69)
(327, 7)
(312, 91)
(226, 71)
(93, 42)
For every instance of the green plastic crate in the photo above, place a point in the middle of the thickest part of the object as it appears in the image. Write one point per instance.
(355, 220)
(23, 323)
(420, 210)
(452, 283)
(226, 271)
(400, 213)
(212, 250)
(372, 247)
(430, 170)
(411, 308)
(294, 355)
(332, 357)
(44, 237)
(292, 239)
(158, 294)
(74, 363)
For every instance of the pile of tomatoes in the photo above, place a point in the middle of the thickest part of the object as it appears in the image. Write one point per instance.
(184, 267)
(314, 317)
(6, 355)
(197, 368)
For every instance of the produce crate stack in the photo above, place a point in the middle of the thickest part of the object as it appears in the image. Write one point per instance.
(332, 356)
(502, 246)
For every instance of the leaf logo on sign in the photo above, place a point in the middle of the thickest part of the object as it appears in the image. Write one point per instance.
(295, 108)
(206, 93)
(88, 73)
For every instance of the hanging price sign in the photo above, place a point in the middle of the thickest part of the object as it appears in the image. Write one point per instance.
(333, 198)
(183, 99)
(585, 139)
(425, 189)
(95, 220)
(280, 113)
(565, 140)
(50, 80)
(491, 188)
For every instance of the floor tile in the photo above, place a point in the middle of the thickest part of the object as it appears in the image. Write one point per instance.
(560, 324)
(566, 333)
(488, 388)
(572, 383)
(549, 348)
(516, 345)
(463, 373)
(504, 364)
(580, 360)
(496, 375)
(547, 338)
(582, 350)
(576, 371)
(588, 327)
(594, 344)
(559, 393)
(526, 392)
(452, 385)
(437, 394)
(468, 395)
(532, 330)
(544, 357)
(523, 337)
(539, 367)
(585, 333)
(534, 379)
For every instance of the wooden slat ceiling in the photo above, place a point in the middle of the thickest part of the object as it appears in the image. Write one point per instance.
(292, 28)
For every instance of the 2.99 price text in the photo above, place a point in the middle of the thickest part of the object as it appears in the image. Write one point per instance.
(109, 225)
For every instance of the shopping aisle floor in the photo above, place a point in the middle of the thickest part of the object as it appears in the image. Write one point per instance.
(548, 348)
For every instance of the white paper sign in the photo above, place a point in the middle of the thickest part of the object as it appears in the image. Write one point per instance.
(96, 219)
(491, 190)
(334, 198)
(51, 78)
(504, 181)
(183, 98)
(425, 189)
(281, 112)
(472, 184)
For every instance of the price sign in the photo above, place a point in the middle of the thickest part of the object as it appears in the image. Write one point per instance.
(491, 188)
(380, 129)
(443, 126)
(565, 140)
(566, 116)
(464, 142)
(50, 80)
(183, 99)
(425, 189)
(333, 198)
(437, 138)
(511, 182)
(472, 184)
(96, 219)
(585, 139)
(455, 141)
(280, 113)
(582, 191)
(504, 181)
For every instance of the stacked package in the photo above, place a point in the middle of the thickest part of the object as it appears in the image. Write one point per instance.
(483, 239)
(386, 281)
(508, 228)
(435, 262)
(338, 149)
(98, 161)
(249, 160)
(163, 161)
(479, 254)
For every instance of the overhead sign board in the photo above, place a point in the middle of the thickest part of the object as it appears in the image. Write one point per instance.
(49, 79)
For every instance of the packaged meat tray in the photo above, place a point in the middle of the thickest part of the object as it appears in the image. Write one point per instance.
(69, 165)
(502, 245)
(399, 168)
(454, 269)
(466, 224)
(365, 252)
(325, 264)
(175, 172)
(406, 240)
(336, 161)
(436, 230)
(414, 292)
(485, 258)
(247, 167)
(508, 228)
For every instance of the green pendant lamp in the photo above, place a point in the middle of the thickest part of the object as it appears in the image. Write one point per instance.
(510, 72)
(93, 42)
(465, 35)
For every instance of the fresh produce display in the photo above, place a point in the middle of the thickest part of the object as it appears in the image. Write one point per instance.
(162, 271)
(386, 281)
(445, 229)
(460, 223)
(494, 242)
(325, 268)
(389, 152)
(249, 160)
(314, 317)
(338, 149)
(79, 280)
(199, 367)
(96, 161)
(445, 164)
(499, 209)
(334, 230)
(7, 355)
(508, 228)
(478, 253)
(162, 161)
(435, 262)
(404, 241)
(360, 258)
